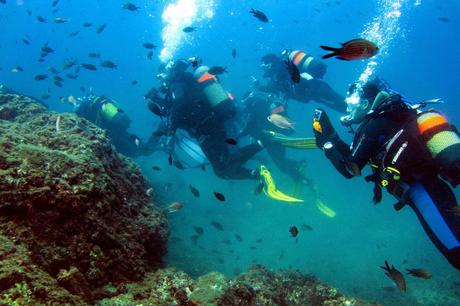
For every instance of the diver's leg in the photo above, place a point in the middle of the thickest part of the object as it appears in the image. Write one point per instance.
(291, 167)
(244, 154)
(432, 200)
(320, 91)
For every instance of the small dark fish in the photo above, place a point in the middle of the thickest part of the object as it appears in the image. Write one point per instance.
(443, 19)
(231, 141)
(54, 11)
(158, 133)
(94, 55)
(70, 62)
(178, 165)
(294, 231)
(26, 41)
(29, 12)
(234, 53)
(238, 237)
(260, 240)
(194, 191)
(216, 70)
(3, 1)
(150, 55)
(82, 89)
(74, 33)
(156, 168)
(41, 19)
(259, 188)
(130, 6)
(53, 70)
(58, 78)
(109, 64)
(17, 69)
(170, 159)
(45, 96)
(46, 49)
(306, 227)
(87, 24)
(293, 71)
(58, 84)
(89, 66)
(203, 167)
(55, 2)
(227, 242)
(189, 29)
(134, 82)
(396, 276)
(199, 230)
(219, 196)
(259, 15)
(421, 273)
(101, 28)
(354, 49)
(40, 77)
(148, 45)
(217, 225)
(41, 60)
(253, 247)
(60, 20)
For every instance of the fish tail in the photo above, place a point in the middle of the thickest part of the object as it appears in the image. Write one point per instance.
(335, 51)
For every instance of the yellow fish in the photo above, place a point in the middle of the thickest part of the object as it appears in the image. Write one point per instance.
(281, 121)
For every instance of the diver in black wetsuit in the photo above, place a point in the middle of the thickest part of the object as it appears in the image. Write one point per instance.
(311, 86)
(196, 102)
(412, 153)
(257, 107)
(106, 114)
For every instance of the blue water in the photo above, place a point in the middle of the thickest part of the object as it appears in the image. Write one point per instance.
(421, 61)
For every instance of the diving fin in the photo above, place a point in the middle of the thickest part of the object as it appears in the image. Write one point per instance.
(270, 187)
(291, 142)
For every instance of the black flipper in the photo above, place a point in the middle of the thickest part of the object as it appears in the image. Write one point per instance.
(329, 48)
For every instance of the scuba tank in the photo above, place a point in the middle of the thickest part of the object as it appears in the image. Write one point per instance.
(220, 101)
(307, 63)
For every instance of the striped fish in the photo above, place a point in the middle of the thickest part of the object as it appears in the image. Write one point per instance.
(354, 49)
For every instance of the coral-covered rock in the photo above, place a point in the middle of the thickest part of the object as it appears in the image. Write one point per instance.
(79, 207)
(257, 286)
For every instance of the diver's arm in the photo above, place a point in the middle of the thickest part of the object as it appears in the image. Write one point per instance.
(335, 149)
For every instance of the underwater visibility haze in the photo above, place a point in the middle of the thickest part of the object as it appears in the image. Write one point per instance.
(219, 212)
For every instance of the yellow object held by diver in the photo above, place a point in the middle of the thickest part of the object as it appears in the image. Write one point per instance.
(317, 126)
(270, 187)
(324, 209)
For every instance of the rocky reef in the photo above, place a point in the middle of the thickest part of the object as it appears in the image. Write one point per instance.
(77, 227)
(257, 286)
(71, 207)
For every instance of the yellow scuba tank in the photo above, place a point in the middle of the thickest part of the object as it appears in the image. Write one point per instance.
(443, 143)
(216, 96)
(308, 64)
(106, 108)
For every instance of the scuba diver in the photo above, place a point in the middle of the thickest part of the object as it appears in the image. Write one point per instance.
(413, 153)
(107, 115)
(311, 85)
(197, 103)
(257, 107)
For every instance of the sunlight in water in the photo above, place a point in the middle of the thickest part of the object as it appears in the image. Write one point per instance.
(382, 31)
(178, 15)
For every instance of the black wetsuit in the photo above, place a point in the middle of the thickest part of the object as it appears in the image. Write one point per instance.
(90, 108)
(314, 89)
(389, 141)
(191, 112)
(257, 108)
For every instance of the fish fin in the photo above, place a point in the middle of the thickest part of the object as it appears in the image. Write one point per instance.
(329, 55)
(329, 48)
(278, 109)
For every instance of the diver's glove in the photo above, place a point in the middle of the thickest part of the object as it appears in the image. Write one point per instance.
(322, 128)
